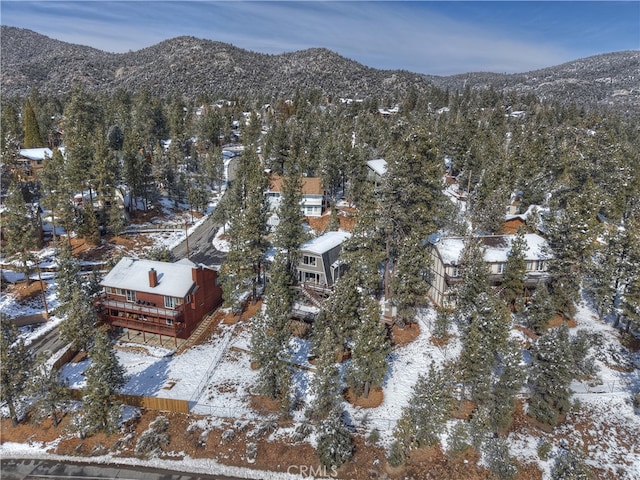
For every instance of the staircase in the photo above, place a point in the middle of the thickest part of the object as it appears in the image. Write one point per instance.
(311, 296)
(198, 332)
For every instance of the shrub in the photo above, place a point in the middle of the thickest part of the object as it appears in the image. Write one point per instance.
(154, 439)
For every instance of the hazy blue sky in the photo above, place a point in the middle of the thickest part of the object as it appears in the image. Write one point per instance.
(438, 38)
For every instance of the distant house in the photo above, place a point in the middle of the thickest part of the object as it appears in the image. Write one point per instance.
(376, 170)
(446, 255)
(313, 202)
(32, 160)
(163, 298)
(319, 264)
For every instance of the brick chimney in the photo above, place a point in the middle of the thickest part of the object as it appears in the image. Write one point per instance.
(153, 278)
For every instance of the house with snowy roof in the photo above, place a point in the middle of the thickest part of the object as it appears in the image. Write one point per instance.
(376, 170)
(163, 298)
(319, 263)
(32, 160)
(446, 256)
(313, 200)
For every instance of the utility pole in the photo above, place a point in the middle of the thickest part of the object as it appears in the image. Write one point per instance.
(186, 233)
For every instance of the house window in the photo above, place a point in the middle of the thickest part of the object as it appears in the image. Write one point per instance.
(169, 321)
(501, 267)
(541, 266)
(169, 302)
(308, 260)
(131, 296)
(188, 299)
(308, 277)
(530, 266)
(456, 272)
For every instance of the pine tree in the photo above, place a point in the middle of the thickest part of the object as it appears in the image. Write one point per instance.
(334, 221)
(364, 251)
(513, 282)
(571, 465)
(32, 136)
(89, 227)
(540, 309)
(289, 233)
(498, 460)
(78, 327)
(368, 365)
(343, 308)
(335, 445)
(16, 362)
(326, 382)
(49, 391)
(104, 377)
(508, 381)
(551, 374)
(19, 228)
(424, 417)
(55, 193)
(270, 335)
(475, 279)
(247, 210)
(482, 340)
(116, 221)
(67, 275)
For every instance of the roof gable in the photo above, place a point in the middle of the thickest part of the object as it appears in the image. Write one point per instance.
(324, 243)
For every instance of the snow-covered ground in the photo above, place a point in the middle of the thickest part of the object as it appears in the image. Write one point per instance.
(216, 379)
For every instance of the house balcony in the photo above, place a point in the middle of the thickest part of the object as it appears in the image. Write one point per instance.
(140, 316)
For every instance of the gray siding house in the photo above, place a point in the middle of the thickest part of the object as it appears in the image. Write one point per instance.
(319, 264)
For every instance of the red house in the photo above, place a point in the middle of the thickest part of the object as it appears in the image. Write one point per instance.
(158, 297)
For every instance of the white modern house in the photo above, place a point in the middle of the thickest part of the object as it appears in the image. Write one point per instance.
(376, 170)
(446, 256)
(313, 202)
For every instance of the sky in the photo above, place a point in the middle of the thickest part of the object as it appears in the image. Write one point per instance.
(431, 37)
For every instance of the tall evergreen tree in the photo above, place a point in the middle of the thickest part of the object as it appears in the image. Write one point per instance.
(368, 365)
(475, 279)
(289, 233)
(326, 382)
(104, 377)
(551, 374)
(49, 391)
(411, 207)
(20, 229)
(513, 283)
(424, 418)
(247, 233)
(270, 335)
(335, 445)
(16, 362)
(540, 310)
(67, 275)
(32, 136)
(78, 328)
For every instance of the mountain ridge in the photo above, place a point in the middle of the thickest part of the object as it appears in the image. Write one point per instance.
(192, 66)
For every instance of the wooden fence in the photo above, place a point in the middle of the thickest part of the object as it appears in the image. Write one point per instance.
(149, 403)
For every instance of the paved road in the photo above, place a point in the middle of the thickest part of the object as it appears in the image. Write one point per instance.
(201, 250)
(23, 469)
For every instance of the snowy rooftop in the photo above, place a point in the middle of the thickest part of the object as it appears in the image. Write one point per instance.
(324, 243)
(496, 248)
(174, 279)
(378, 165)
(38, 153)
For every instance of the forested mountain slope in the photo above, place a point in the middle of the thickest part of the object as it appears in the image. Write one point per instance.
(192, 67)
